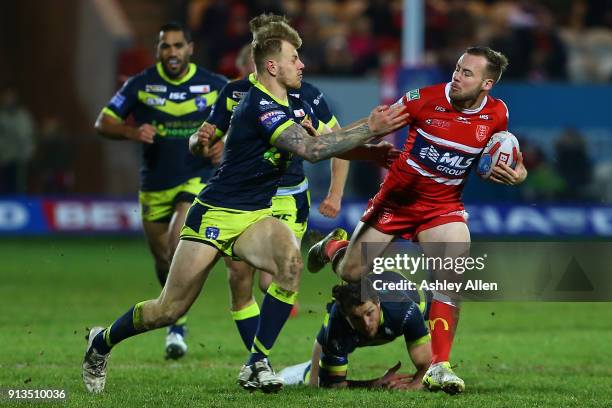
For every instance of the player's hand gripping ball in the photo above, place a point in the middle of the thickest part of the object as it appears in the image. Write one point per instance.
(503, 147)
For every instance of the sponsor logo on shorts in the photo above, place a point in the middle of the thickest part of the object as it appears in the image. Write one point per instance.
(211, 232)
(155, 88)
(481, 132)
(385, 217)
(199, 88)
(271, 118)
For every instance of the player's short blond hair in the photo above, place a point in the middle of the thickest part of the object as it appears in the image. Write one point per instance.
(269, 32)
(496, 61)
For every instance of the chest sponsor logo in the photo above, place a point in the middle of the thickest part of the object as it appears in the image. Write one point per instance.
(481, 132)
(199, 88)
(445, 161)
(439, 123)
(238, 95)
(271, 118)
(155, 101)
(177, 96)
(155, 88)
(118, 100)
(200, 103)
(462, 119)
(298, 113)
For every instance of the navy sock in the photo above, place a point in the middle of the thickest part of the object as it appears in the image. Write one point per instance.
(179, 327)
(128, 325)
(246, 320)
(275, 310)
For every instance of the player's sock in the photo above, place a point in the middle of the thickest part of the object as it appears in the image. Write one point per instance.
(333, 246)
(246, 320)
(443, 322)
(179, 326)
(334, 250)
(128, 325)
(275, 310)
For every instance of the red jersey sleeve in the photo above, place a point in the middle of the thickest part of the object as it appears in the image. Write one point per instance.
(504, 116)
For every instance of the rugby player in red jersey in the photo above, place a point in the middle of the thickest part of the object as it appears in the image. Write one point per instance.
(420, 198)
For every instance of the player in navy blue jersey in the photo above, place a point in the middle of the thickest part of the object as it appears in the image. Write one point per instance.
(291, 202)
(364, 316)
(232, 215)
(168, 102)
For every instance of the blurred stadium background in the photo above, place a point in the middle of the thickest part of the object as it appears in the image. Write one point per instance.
(63, 60)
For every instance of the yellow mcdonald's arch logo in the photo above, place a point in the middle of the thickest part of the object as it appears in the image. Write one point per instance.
(432, 323)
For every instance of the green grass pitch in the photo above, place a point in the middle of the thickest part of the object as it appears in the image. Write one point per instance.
(510, 355)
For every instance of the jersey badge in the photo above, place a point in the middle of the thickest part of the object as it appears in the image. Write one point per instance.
(481, 132)
(200, 103)
(211, 232)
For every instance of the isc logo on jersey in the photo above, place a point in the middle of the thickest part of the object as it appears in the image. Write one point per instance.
(178, 96)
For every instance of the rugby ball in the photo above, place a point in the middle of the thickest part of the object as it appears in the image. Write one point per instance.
(503, 147)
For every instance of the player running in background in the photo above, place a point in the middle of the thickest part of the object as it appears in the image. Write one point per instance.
(168, 101)
(420, 198)
(232, 216)
(374, 317)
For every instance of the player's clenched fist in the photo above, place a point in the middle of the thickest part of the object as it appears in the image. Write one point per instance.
(145, 133)
(199, 142)
(384, 119)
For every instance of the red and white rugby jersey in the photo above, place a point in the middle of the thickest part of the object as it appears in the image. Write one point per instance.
(443, 143)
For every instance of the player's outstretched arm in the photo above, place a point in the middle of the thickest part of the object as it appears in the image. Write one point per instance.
(381, 121)
(113, 128)
(421, 358)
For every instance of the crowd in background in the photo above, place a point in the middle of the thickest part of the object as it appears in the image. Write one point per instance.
(556, 40)
(552, 39)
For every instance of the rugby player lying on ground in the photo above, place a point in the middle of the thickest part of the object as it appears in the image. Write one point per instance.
(351, 322)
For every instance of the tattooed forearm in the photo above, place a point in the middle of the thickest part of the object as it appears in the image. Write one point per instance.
(297, 140)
